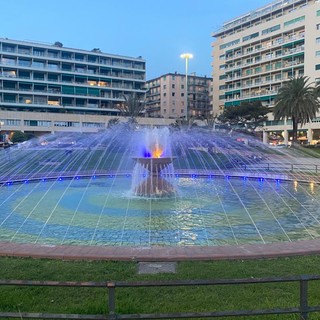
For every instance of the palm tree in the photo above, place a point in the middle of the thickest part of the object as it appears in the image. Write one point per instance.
(132, 106)
(296, 100)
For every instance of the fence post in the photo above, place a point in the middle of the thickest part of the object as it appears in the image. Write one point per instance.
(112, 300)
(303, 299)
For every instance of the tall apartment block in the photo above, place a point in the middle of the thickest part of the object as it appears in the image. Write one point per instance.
(254, 54)
(50, 87)
(169, 97)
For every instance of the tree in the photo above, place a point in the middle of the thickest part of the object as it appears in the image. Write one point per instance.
(113, 122)
(297, 100)
(132, 105)
(247, 115)
(184, 124)
(19, 136)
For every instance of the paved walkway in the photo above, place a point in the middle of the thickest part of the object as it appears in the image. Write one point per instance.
(249, 251)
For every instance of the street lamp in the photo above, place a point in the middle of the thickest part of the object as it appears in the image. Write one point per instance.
(186, 56)
(1, 124)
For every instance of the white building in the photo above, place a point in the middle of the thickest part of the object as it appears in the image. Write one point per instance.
(255, 53)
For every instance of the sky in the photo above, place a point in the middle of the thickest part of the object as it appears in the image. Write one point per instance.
(158, 31)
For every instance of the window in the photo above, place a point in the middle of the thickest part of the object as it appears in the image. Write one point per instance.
(9, 61)
(24, 63)
(38, 76)
(318, 26)
(38, 52)
(9, 73)
(66, 55)
(318, 54)
(173, 94)
(274, 28)
(317, 67)
(278, 65)
(251, 36)
(23, 50)
(37, 64)
(229, 44)
(173, 86)
(53, 66)
(293, 21)
(318, 40)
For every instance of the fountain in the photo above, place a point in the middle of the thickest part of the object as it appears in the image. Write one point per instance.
(154, 161)
(156, 187)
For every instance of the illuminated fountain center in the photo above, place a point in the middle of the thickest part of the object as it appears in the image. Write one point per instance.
(154, 183)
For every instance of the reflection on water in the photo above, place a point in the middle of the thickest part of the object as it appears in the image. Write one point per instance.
(206, 212)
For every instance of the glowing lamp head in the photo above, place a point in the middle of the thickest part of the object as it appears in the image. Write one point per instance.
(186, 56)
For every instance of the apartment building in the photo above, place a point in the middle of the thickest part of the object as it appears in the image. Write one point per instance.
(254, 54)
(168, 96)
(47, 88)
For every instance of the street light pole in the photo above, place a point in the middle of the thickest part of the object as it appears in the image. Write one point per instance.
(1, 124)
(186, 56)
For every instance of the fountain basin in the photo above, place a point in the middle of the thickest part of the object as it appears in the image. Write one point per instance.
(208, 211)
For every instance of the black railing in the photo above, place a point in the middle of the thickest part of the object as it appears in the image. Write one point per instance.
(303, 309)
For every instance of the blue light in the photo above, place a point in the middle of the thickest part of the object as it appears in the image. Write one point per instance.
(177, 175)
(227, 177)
(26, 181)
(60, 179)
(9, 183)
(127, 175)
(261, 179)
(146, 154)
(77, 177)
(43, 179)
(93, 176)
(278, 180)
(245, 178)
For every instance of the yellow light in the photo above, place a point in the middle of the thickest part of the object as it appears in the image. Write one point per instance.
(312, 186)
(157, 152)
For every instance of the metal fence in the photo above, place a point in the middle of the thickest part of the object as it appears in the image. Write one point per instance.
(302, 310)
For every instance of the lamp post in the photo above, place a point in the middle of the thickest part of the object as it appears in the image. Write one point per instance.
(186, 56)
(1, 124)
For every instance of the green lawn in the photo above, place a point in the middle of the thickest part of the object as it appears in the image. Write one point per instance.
(161, 299)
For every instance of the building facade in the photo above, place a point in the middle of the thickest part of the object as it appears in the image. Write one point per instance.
(169, 97)
(50, 87)
(254, 54)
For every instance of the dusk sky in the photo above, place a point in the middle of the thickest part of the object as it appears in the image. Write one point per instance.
(159, 31)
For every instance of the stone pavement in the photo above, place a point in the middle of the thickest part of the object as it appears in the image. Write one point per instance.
(249, 251)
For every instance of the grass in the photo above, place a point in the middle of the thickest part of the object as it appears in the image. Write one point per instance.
(161, 299)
